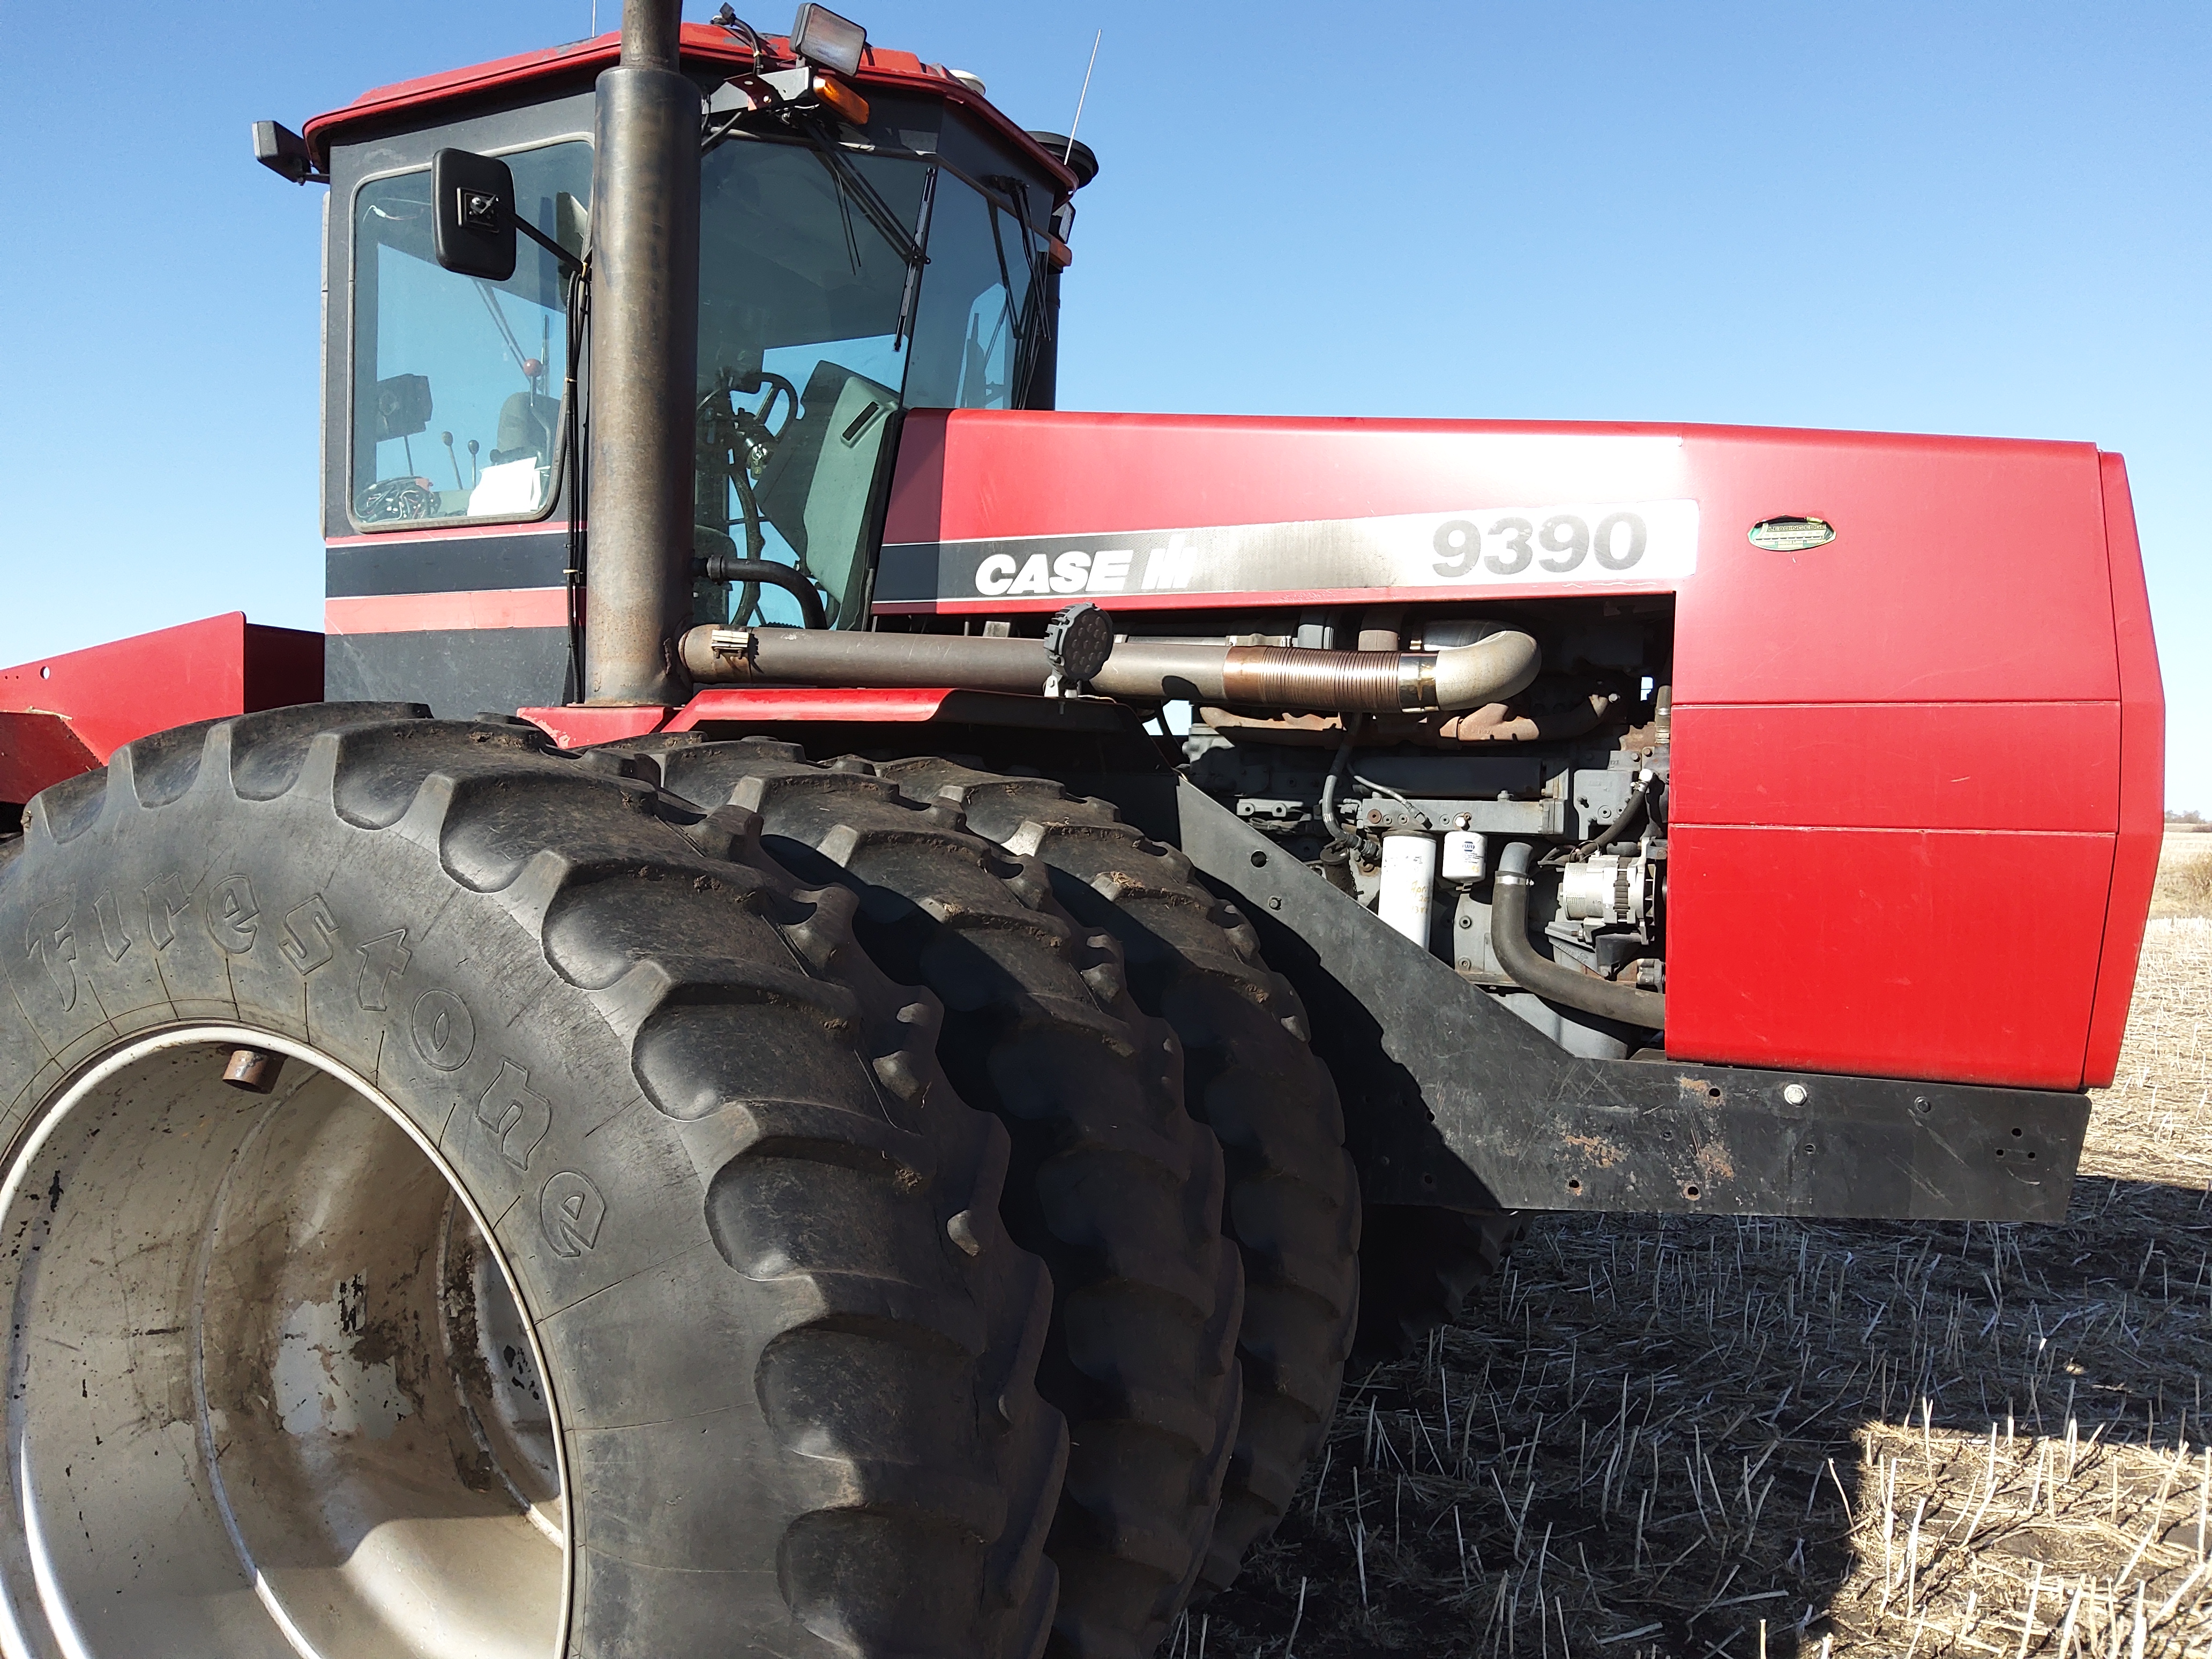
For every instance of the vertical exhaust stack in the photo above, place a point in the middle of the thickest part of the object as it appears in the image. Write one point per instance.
(644, 362)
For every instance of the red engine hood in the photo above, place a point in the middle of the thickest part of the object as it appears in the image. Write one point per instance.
(1916, 771)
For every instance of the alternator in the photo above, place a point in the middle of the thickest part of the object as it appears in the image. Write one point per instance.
(1609, 890)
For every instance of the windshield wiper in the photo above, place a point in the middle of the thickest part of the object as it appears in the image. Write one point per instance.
(854, 183)
(1029, 326)
(912, 290)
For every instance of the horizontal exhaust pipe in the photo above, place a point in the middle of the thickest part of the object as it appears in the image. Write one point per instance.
(1324, 681)
(1142, 670)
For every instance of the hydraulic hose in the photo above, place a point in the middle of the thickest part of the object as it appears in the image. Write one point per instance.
(1339, 836)
(1509, 943)
(1144, 670)
(1613, 832)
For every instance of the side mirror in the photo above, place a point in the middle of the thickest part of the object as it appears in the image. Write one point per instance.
(474, 201)
(284, 152)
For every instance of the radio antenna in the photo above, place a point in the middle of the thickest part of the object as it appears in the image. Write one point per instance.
(1080, 96)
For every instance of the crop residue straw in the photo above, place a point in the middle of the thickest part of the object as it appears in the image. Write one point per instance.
(1685, 1437)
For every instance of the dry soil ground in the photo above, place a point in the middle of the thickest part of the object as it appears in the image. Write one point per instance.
(1698, 1436)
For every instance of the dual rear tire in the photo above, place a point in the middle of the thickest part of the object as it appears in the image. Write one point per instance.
(610, 1272)
(613, 1267)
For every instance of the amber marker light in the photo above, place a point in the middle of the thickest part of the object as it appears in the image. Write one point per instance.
(842, 98)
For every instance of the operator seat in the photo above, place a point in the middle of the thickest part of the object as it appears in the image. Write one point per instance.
(528, 421)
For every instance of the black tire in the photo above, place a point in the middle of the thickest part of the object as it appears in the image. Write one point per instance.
(1293, 1205)
(1420, 1266)
(747, 1228)
(1112, 1184)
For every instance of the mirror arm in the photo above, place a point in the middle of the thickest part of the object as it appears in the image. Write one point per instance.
(569, 262)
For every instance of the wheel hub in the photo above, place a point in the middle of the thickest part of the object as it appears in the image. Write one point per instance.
(270, 1388)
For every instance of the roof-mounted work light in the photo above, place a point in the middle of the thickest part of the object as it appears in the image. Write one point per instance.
(828, 41)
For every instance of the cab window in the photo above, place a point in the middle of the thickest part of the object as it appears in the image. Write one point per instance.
(836, 288)
(457, 381)
(974, 339)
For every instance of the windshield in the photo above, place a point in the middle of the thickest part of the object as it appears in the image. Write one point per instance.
(457, 381)
(818, 323)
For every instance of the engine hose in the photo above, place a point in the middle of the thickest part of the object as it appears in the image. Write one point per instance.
(1509, 943)
(722, 567)
(1610, 833)
(1339, 835)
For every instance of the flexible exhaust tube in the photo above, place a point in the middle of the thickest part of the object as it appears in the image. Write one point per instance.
(1144, 671)
(1324, 681)
(1509, 943)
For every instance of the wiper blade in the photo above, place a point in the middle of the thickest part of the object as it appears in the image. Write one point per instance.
(911, 292)
(854, 183)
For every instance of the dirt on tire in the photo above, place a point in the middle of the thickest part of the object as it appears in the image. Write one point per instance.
(1113, 1185)
(1250, 1076)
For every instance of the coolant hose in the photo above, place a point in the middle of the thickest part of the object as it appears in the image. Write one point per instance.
(1509, 943)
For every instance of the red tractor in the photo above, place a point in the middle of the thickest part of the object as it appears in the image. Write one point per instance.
(978, 953)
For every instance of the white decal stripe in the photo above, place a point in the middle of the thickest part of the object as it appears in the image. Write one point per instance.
(1485, 550)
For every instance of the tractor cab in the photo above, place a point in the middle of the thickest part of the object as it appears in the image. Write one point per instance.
(870, 241)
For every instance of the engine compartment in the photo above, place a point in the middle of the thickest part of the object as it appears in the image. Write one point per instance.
(1410, 813)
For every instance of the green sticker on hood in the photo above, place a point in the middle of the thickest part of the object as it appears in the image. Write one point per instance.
(1791, 534)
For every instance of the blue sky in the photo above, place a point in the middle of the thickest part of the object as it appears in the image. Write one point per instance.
(1976, 219)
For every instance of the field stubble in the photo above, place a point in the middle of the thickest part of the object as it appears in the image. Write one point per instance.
(2185, 876)
(1690, 1437)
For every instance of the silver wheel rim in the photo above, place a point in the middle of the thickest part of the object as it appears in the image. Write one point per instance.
(269, 1391)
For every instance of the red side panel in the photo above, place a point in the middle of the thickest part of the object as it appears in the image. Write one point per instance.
(1900, 953)
(1897, 761)
(37, 750)
(578, 727)
(109, 694)
(2142, 779)
(774, 704)
(1907, 889)
(1900, 765)
(968, 474)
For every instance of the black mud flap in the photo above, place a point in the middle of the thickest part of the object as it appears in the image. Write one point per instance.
(1461, 1103)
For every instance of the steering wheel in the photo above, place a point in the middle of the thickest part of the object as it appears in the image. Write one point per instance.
(392, 499)
(735, 444)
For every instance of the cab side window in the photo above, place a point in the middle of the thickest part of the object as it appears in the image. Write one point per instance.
(974, 339)
(457, 381)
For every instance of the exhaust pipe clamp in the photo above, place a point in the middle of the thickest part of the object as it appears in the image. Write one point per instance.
(731, 644)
